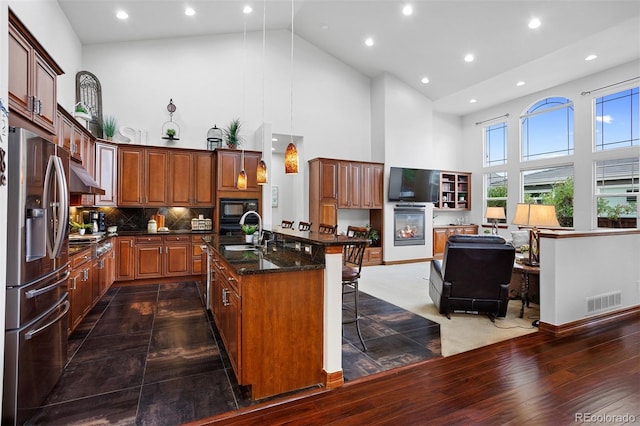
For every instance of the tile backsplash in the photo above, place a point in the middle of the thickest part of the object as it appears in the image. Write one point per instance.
(135, 219)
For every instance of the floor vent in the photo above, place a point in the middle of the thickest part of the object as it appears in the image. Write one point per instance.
(604, 302)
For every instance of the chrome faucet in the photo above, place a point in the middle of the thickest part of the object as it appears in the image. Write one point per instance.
(259, 222)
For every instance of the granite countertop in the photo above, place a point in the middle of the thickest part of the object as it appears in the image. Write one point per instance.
(315, 238)
(170, 232)
(275, 258)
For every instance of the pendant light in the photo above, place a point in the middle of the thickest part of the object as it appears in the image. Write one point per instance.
(241, 181)
(291, 153)
(261, 172)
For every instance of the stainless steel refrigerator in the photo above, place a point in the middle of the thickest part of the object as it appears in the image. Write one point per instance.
(37, 273)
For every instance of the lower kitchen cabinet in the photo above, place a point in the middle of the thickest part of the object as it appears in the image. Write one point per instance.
(125, 257)
(271, 326)
(148, 257)
(372, 256)
(177, 255)
(442, 233)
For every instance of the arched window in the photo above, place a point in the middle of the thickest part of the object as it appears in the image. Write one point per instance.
(547, 129)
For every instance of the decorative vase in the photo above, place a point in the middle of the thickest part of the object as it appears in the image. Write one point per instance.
(81, 231)
(248, 239)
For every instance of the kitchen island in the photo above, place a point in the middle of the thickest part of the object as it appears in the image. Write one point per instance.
(270, 307)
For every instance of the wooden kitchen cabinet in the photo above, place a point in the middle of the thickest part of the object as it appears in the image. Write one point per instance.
(142, 174)
(125, 258)
(32, 82)
(177, 255)
(229, 164)
(372, 186)
(148, 257)
(80, 286)
(106, 162)
(323, 192)
(191, 178)
(349, 185)
(442, 233)
(254, 314)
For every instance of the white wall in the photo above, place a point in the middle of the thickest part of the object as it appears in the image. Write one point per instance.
(569, 274)
(584, 203)
(198, 73)
(46, 21)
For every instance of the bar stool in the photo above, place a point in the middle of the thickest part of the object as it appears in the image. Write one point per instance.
(323, 228)
(357, 232)
(304, 226)
(352, 255)
(288, 224)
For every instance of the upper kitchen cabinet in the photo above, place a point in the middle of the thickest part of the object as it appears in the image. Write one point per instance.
(372, 184)
(75, 138)
(350, 185)
(323, 191)
(191, 178)
(141, 176)
(32, 78)
(229, 164)
(106, 165)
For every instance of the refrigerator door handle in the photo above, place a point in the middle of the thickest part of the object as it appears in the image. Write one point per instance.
(31, 334)
(33, 293)
(61, 207)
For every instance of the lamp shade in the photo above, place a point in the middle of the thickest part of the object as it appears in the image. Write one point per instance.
(539, 215)
(291, 159)
(261, 174)
(495, 213)
(242, 180)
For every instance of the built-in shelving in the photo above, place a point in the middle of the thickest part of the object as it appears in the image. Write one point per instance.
(455, 191)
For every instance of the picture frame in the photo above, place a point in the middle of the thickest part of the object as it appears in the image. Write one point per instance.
(274, 196)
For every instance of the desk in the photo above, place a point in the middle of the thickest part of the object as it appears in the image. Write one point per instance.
(525, 271)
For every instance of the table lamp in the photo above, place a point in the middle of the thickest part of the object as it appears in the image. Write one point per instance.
(495, 213)
(533, 216)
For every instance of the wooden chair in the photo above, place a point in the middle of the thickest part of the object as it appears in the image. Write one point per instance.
(357, 232)
(304, 226)
(323, 228)
(352, 255)
(288, 224)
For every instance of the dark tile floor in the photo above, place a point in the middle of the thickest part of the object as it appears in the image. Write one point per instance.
(149, 355)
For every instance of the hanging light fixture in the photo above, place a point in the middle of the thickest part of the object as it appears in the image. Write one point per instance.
(291, 153)
(241, 181)
(261, 172)
(214, 138)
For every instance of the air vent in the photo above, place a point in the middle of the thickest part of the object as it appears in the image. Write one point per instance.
(604, 302)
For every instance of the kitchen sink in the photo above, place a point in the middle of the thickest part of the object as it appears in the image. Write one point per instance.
(240, 247)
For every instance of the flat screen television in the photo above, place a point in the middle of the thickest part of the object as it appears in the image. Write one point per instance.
(414, 185)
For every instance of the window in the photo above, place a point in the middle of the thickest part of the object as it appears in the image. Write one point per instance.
(496, 191)
(551, 185)
(495, 144)
(547, 129)
(617, 192)
(616, 122)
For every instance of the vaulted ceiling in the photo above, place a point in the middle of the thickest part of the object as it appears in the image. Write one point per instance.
(431, 42)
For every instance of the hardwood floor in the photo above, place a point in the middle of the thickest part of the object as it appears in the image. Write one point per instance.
(535, 379)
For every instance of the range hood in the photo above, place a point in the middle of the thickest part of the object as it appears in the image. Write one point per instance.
(80, 182)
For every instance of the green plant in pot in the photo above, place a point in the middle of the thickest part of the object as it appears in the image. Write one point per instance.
(171, 133)
(109, 125)
(374, 236)
(80, 227)
(248, 231)
(232, 133)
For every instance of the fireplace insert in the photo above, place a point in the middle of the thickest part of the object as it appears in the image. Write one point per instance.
(409, 226)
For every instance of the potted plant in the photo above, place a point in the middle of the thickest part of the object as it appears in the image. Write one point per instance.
(248, 231)
(80, 227)
(232, 133)
(109, 124)
(81, 112)
(374, 236)
(171, 133)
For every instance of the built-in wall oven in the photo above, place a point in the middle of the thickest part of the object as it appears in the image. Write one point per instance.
(231, 210)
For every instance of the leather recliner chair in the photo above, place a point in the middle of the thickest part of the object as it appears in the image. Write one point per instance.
(473, 276)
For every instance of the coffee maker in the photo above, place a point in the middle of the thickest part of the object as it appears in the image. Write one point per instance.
(102, 226)
(94, 217)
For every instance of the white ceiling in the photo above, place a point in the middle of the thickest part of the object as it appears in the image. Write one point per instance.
(432, 42)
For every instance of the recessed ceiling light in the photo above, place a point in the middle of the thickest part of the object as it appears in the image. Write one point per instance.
(324, 27)
(407, 10)
(425, 80)
(534, 23)
(121, 14)
(469, 58)
(369, 41)
(189, 11)
(520, 83)
(247, 9)
(473, 101)
(590, 57)
(274, 139)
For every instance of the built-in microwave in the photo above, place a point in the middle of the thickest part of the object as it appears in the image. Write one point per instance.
(232, 209)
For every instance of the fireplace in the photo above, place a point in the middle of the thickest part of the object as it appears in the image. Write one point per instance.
(409, 226)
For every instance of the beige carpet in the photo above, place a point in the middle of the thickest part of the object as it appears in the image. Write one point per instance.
(407, 286)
